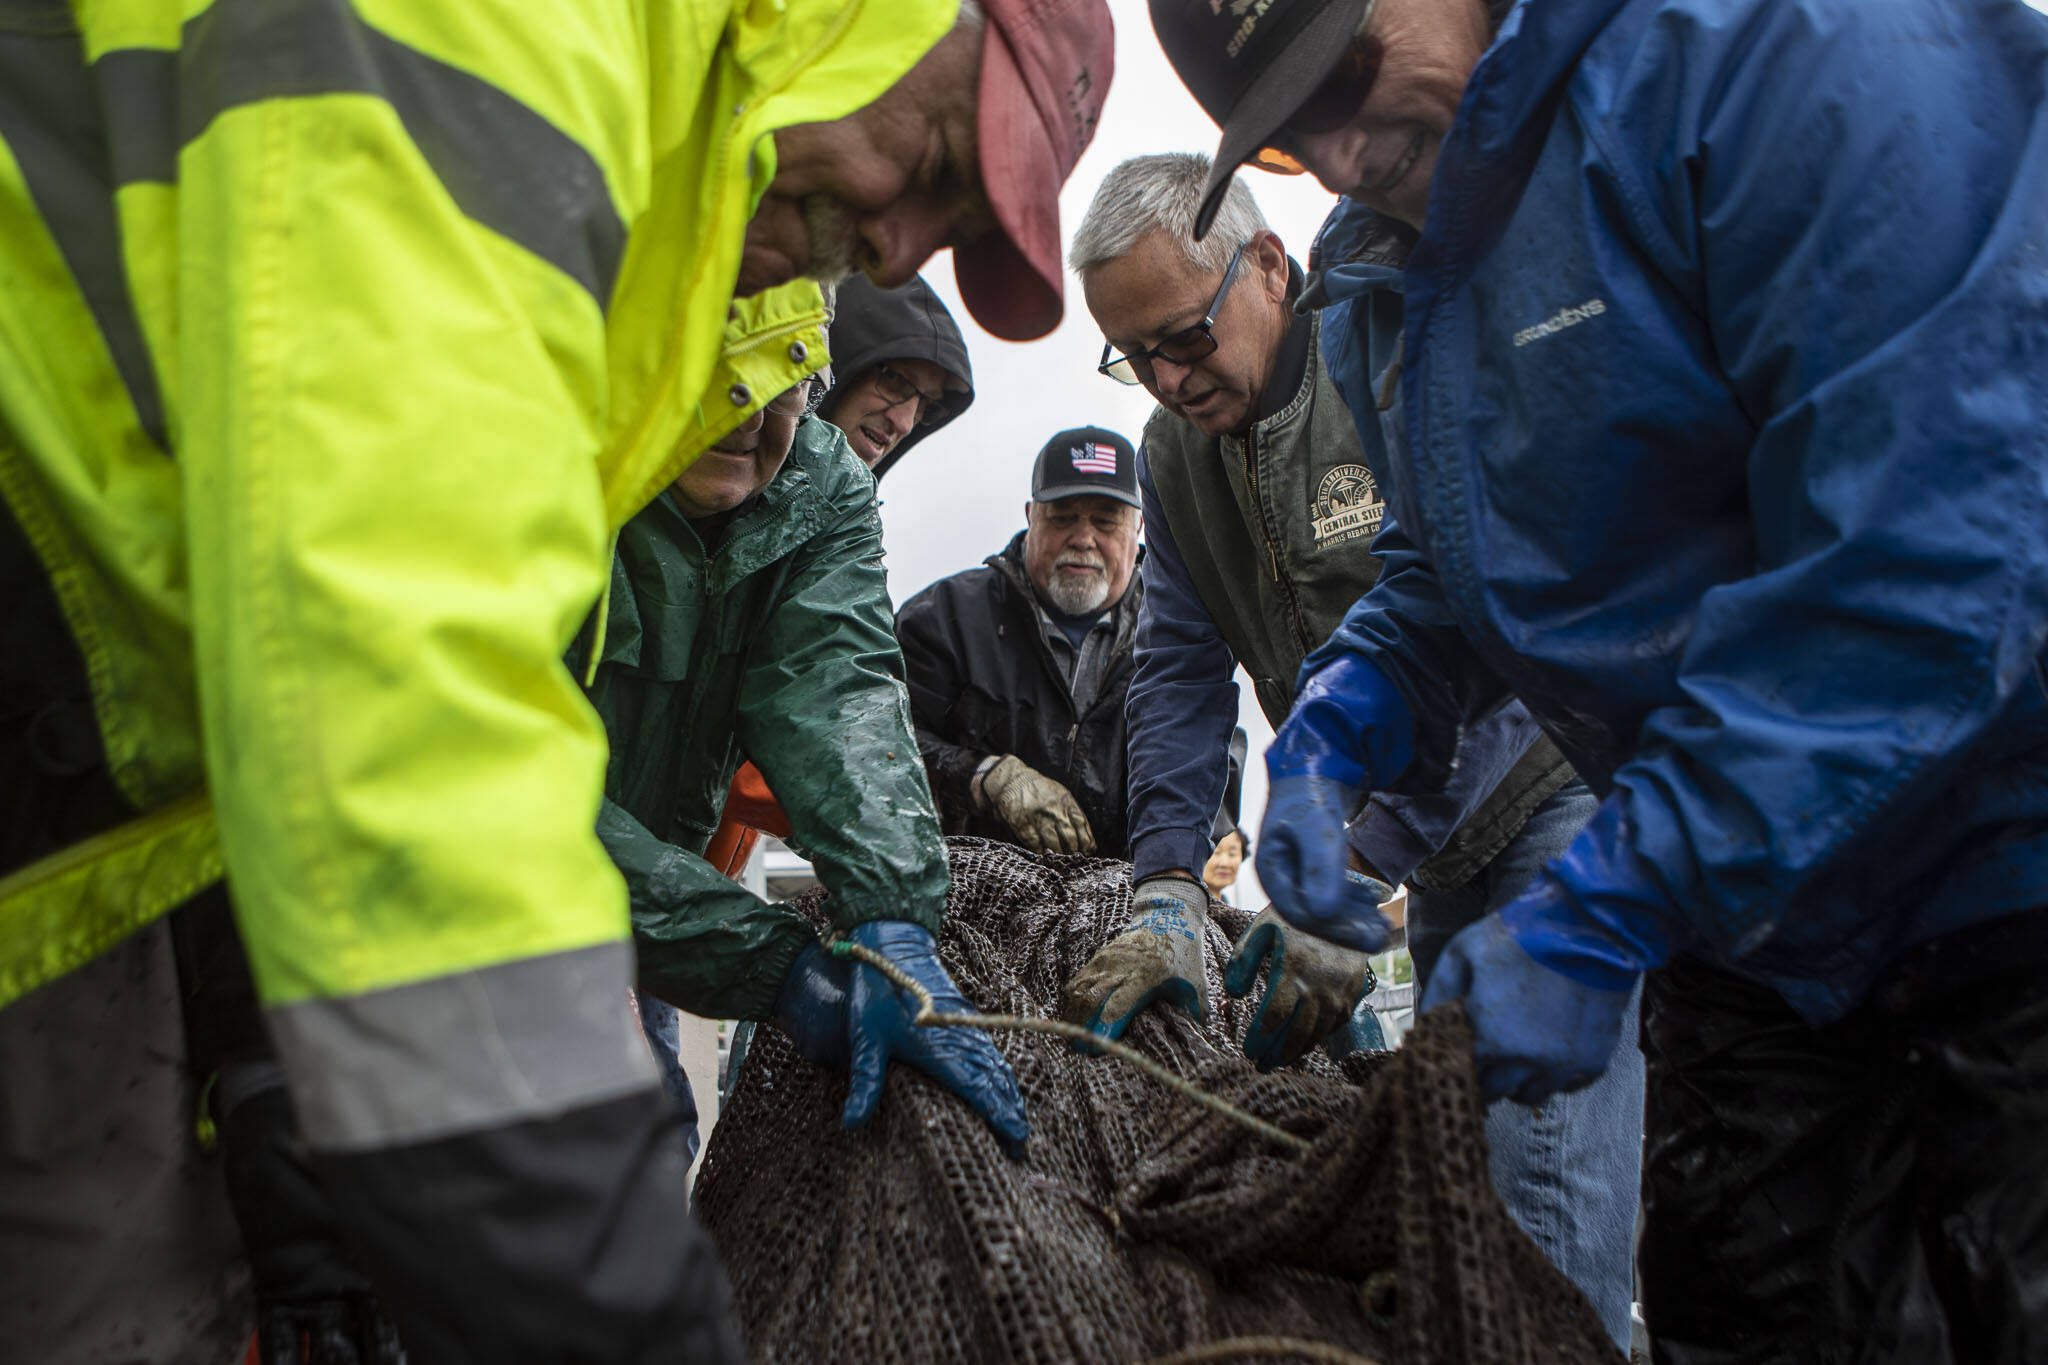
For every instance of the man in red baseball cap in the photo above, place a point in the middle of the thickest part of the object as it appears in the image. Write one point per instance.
(969, 150)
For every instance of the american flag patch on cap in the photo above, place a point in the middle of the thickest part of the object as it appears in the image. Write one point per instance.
(1094, 458)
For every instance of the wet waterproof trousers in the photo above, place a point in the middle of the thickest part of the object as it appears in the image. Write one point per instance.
(1873, 1190)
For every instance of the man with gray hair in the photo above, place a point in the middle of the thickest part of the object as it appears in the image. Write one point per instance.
(1261, 514)
(1018, 670)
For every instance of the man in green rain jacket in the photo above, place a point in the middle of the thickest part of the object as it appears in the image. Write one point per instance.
(749, 617)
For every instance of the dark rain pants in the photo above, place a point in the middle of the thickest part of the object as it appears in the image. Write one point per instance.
(1874, 1190)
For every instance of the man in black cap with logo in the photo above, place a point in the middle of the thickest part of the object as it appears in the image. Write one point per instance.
(1647, 358)
(1018, 669)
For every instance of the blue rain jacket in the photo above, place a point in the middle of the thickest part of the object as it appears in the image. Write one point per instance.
(1720, 438)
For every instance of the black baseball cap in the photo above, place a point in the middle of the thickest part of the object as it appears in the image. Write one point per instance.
(1086, 461)
(1250, 64)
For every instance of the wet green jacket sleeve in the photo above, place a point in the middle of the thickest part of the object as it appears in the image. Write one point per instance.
(824, 715)
(705, 943)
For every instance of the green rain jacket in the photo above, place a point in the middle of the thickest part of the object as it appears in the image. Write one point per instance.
(776, 644)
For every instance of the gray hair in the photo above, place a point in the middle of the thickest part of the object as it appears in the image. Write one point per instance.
(1163, 192)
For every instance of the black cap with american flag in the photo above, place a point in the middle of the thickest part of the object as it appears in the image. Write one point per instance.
(1083, 462)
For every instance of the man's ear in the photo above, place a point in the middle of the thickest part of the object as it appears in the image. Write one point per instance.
(1269, 254)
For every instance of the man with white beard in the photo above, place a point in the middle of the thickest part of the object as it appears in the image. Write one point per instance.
(1018, 669)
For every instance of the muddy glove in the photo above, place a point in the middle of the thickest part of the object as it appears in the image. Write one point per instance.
(1350, 733)
(1157, 956)
(1039, 811)
(1312, 984)
(1547, 980)
(838, 1010)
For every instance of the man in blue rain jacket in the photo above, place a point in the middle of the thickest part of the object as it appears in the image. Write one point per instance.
(1705, 345)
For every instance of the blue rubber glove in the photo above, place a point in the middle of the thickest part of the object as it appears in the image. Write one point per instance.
(811, 1008)
(869, 1022)
(1350, 733)
(1547, 980)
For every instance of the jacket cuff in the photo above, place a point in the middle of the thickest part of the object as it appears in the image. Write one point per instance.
(923, 910)
(1165, 849)
(1388, 846)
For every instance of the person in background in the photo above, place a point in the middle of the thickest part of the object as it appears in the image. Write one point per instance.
(1701, 343)
(899, 369)
(1219, 874)
(773, 539)
(1261, 511)
(1018, 669)
(899, 373)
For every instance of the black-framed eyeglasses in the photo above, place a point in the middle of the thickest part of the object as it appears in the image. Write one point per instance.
(897, 388)
(1184, 347)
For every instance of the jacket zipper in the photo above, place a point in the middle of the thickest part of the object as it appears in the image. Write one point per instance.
(1251, 478)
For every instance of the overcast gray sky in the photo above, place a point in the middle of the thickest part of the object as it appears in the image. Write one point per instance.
(960, 495)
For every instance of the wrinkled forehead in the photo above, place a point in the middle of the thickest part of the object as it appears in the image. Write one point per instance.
(1150, 291)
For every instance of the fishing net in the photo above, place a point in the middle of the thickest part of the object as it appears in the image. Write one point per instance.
(1140, 1224)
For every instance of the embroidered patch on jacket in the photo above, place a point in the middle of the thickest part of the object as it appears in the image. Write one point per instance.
(1347, 506)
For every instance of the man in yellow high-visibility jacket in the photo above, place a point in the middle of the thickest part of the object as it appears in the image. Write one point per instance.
(336, 339)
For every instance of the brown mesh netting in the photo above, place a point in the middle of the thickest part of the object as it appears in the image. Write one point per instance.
(1140, 1224)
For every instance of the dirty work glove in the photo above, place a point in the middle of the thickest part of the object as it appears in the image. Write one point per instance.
(1157, 956)
(1312, 985)
(1547, 980)
(1350, 733)
(1042, 813)
(839, 1010)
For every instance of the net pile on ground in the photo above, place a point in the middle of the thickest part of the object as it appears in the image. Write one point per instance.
(1140, 1224)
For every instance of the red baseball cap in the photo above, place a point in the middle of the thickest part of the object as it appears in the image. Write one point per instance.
(1045, 71)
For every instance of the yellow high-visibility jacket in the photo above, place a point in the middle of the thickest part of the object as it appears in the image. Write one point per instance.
(336, 338)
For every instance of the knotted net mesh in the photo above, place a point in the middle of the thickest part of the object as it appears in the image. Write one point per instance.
(1140, 1224)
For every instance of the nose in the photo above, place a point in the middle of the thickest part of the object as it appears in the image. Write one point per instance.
(753, 421)
(1336, 159)
(1169, 377)
(902, 237)
(899, 418)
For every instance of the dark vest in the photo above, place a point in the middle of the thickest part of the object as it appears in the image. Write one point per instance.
(1276, 526)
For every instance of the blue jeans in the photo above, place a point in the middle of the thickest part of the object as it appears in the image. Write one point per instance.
(1570, 1169)
(662, 1023)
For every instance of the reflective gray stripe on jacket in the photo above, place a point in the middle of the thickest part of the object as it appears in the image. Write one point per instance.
(528, 1039)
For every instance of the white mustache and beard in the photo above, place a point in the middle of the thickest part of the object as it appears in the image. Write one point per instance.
(833, 239)
(1079, 596)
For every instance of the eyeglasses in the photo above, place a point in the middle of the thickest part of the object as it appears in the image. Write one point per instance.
(1334, 103)
(1184, 347)
(897, 388)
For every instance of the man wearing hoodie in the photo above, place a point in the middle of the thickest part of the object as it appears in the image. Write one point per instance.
(900, 369)
(1701, 344)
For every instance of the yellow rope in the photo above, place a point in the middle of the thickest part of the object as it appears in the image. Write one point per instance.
(928, 1016)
